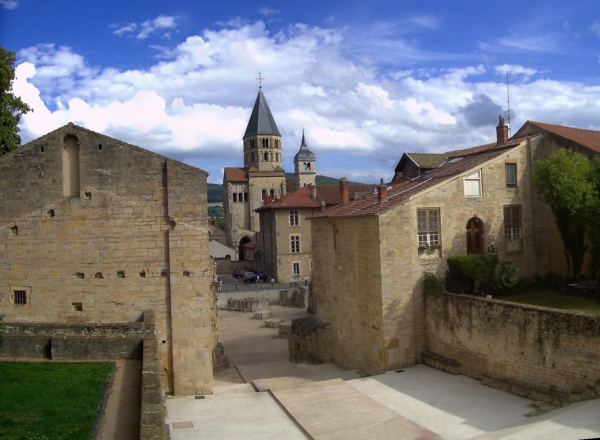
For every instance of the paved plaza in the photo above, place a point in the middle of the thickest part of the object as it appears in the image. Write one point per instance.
(263, 396)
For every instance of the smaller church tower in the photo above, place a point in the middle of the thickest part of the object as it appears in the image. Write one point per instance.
(305, 166)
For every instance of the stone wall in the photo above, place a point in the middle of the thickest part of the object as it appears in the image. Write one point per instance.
(541, 353)
(310, 341)
(133, 238)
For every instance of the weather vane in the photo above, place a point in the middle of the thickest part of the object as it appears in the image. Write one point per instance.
(260, 80)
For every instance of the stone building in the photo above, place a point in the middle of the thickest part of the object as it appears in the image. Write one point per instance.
(370, 255)
(262, 175)
(285, 235)
(94, 230)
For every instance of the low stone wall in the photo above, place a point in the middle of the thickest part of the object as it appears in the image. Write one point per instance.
(310, 341)
(226, 267)
(152, 419)
(536, 352)
(266, 296)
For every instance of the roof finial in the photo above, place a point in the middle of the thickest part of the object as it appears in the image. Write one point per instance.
(260, 80)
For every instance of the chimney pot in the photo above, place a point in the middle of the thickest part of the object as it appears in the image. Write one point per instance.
(382, 193)
(501, 131)
(344, 193)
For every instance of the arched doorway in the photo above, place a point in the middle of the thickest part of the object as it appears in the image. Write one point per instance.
(475, 236)
(243, 241)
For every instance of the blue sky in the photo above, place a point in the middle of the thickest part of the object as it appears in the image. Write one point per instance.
(367, 80)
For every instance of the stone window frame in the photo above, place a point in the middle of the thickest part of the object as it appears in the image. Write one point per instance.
(19, 299)
(510, 176)
(513, 228)
(296, 268)
(479, 183)
(295, 244)
(294, 218)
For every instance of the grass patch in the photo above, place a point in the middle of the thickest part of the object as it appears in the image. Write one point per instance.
(44, 400)
(554, 299)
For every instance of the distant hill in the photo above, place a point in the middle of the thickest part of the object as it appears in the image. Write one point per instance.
(215, 193)
(215, 190)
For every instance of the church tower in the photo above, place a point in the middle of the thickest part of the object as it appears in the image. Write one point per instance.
(305, 166)
(262, 140)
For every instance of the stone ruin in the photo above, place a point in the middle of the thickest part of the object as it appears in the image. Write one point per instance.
(310, 341)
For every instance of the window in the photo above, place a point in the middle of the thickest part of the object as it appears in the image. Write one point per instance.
(296, 267)
(264, 193)
(512, 228)
(473, 185)
(511, 175)
(240, 197)
(294, 218)
(245, 197)
(20, 297)
(295, 244)
(235, 197)
(428, 227)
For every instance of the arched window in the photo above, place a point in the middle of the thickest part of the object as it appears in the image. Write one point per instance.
(240, 197)
(273, 193)
(264, 193)
(308, 166)
(266, 156)
(304, 166)
(245, 197)
(252, 157)
(71, 166)
(277, 156)
(235, 197)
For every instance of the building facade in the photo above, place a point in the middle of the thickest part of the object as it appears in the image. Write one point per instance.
(370, 255)
(94, 230)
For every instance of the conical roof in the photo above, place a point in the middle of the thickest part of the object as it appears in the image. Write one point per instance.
(261, 121)
(304, 153)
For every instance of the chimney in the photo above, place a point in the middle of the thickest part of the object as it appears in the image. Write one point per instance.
(322, 205)
(382, 194)
(344, 194)
(501, 131)
(313, 192)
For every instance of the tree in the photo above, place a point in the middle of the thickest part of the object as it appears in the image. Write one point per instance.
(11, 106)
(593, 225)
(563, 181)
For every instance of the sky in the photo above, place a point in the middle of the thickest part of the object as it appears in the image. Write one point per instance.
(367, 80)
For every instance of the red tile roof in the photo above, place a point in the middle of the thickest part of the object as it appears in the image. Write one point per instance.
(236, 175)
(587, 138)
(330, 194)
(298, 199)
(403, 190)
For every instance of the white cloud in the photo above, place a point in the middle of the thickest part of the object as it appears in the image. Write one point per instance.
(9, 4)
(144, 30)
(514, 70)
(268, 11)
(194, 103)
(595, 28)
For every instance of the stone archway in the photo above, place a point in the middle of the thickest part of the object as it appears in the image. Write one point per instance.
(243, 241)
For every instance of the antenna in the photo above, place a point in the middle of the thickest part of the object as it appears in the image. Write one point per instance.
(508, 103)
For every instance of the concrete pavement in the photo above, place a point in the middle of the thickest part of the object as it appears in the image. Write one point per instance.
(325, 402)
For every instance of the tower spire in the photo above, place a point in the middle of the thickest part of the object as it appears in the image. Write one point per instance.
(260, 80)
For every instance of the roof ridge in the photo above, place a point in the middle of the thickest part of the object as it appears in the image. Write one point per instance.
(564, 126)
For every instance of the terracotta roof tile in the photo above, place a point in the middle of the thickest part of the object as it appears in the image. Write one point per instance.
(298, 199)
(587, 138)
(403, 190)
(236, 175)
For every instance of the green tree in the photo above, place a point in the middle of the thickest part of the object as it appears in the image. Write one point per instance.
(593, 225)
(563, 181)
(11, 106)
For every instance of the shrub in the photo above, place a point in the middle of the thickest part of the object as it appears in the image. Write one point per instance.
(506, 279)
(551, 279)
(473, 267)
(431, 285)
(528, 283)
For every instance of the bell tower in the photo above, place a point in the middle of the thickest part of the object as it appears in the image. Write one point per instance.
(305, 166)
(262, 140)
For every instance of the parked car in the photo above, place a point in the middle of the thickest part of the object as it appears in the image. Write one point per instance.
(239, 272)
(250, 277)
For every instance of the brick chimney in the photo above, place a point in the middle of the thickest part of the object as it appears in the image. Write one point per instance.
(382, 193)
(501, 131)
(344, 194)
